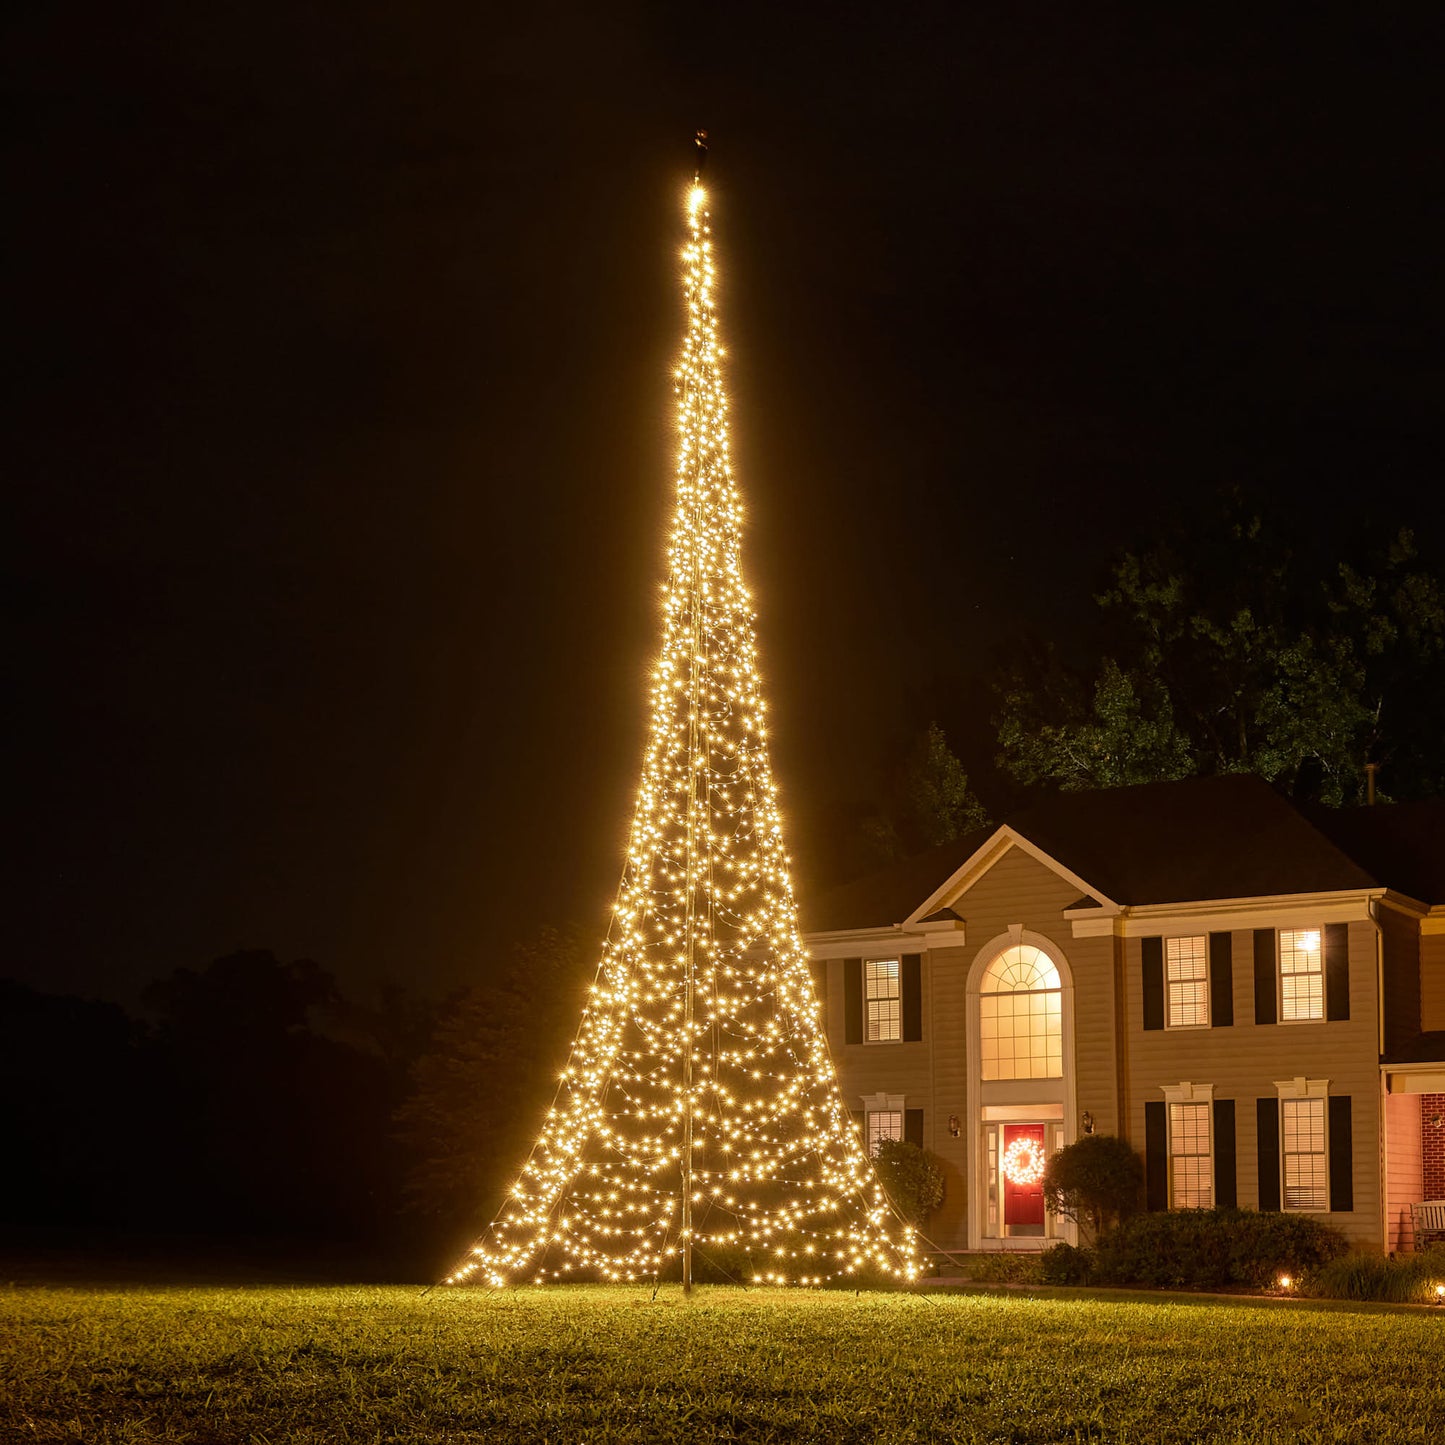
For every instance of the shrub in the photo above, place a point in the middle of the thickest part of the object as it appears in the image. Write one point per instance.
(1213, 1248)
(912, 1176)
(1066, 1264)
(1264, 1245)
(1093, 1181)
(1403, 1279)
(1002, 1268)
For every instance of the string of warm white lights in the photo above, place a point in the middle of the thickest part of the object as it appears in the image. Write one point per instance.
(1023, 1161)
(699, 1109)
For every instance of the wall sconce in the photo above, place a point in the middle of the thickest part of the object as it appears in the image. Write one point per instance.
(954, 1127)
(1086, 1122)
(1437, 1121)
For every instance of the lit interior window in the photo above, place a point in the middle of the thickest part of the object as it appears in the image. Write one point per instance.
(1301, 974)
(1306, 1168)
(883, 1124)
(1191, 1172)
(880, 979)
(1186, 969)
(1021, 1016)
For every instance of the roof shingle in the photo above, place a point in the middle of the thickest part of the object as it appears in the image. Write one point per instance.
(1180, 842)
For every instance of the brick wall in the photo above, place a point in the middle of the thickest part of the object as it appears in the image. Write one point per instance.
(1432, 1107)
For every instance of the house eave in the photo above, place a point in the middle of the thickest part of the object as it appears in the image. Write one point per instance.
(857, 942)
(1426, 1077)
(1219, 915)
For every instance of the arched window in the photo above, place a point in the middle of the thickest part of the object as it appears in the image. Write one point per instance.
(1021, 1016)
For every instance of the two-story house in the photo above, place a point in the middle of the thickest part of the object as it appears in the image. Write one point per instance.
(1249, 991)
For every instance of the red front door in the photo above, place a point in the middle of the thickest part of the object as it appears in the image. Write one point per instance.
(1023, 1203)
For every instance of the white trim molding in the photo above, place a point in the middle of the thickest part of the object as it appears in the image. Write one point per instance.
(1424, 1078)
(888, 942)
(1224, 915)
(1029, 1097)
(882, 1103)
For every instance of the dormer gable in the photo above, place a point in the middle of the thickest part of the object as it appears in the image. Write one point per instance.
(952, 892)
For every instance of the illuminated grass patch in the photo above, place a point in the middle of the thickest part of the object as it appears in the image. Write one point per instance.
(289, 1365)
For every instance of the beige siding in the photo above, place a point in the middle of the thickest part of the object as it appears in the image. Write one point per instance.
(892, 1068)
(1432, 981)
(943, 1003)
(1117, 1066)
(1404, 1167)
(933, 1075)
(1244, 1061)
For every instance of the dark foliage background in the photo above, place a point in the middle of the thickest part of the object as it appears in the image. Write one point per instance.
(252, 1110)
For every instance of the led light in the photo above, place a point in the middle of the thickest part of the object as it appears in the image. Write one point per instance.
(699, 1109)
(1023, 1161)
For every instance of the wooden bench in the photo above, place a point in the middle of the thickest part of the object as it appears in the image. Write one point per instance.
(1428, 1220)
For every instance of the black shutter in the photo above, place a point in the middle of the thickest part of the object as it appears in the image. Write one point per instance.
(912, 972)
(1266, 1000)
(1153, 952)
(853, 1000)
(1156, 1156)
(1266, 1124)
(1342, 1153)
(1226, 1188)
(818, 967)
(1337, 970)
(1221, 980)
(913, 1127)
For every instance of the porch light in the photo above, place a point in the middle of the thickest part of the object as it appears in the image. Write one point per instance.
(1086, 1122)
(1286, 1281)
(954, 1127)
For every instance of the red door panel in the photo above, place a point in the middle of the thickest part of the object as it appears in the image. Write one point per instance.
(1023, 1204)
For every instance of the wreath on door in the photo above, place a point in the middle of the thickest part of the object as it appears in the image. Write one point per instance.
(1023, 1161)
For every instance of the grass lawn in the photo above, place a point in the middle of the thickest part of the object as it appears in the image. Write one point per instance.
(270, 1365)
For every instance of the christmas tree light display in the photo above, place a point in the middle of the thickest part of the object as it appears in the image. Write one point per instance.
(699, 1111)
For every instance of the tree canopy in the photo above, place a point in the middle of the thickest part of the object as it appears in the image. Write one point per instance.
(480, 1089)
(1233, 653)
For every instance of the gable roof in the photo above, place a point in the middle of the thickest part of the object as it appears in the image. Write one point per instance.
(890, 895)
(1180, 842)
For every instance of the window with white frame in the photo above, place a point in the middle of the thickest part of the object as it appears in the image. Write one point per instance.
(1021, 1016)
(1191, 1158)
(882, 1000)
(883, 1124)
(1304, 1157)
(882, 1119)
(1301, 974)
(1186, 979)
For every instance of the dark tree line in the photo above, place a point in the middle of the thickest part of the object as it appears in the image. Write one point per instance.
(254, 1103)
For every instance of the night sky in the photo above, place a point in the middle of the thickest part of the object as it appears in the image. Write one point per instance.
(339, 341)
